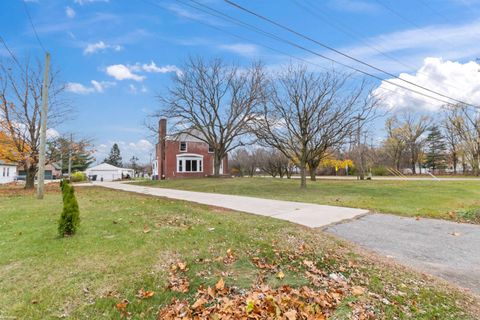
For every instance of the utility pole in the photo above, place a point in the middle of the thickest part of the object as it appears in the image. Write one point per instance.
(43, 129)
(70, 157)
(361, 159)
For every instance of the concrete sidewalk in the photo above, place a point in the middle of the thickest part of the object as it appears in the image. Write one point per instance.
(307, 214)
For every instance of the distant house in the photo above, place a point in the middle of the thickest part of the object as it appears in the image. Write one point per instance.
(183, 156)
(52, 171)
(107, 172)
(8, 172)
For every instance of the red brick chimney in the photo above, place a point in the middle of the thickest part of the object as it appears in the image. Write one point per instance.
(162, 134)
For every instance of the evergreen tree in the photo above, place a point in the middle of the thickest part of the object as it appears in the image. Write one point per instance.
(59, 149)
(436, 149)
(70, 218)
(114, 158)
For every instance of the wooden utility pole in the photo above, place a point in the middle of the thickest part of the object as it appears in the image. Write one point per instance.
(70, 158)
(43, 129)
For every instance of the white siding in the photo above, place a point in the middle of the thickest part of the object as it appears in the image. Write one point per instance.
(7, 173)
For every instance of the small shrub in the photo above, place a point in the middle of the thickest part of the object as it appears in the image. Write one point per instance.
(380, 171)
(78, 177)
(70, 218)
(470, 215)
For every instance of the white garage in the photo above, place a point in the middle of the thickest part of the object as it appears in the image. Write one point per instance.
(107, 172)
(8, 172)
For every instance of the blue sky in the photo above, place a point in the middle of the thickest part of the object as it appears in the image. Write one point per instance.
(117, 56)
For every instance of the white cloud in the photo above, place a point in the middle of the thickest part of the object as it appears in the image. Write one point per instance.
(100, 46)
(83, 2)
(244, 49)
(97, 86)
(52, 133)
(70, 12)
(454, 79)
(122, 72)
(152, 67)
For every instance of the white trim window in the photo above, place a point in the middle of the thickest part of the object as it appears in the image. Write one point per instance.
(210, 149)
(183, 146)
(188, 163)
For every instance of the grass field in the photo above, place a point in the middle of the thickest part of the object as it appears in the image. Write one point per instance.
(128, 242)
(435, 199)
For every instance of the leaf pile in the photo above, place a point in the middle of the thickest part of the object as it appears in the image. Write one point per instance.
(261, 302)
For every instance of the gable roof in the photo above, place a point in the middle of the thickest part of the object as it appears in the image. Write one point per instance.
(5, 163)
(106, 167)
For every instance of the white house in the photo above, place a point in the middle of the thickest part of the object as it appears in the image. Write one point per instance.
(8, 172)
(107, 172)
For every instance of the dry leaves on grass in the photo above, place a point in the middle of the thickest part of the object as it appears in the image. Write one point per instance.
(260, 302)
(177, 280)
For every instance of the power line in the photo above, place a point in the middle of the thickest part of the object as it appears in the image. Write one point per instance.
(341, 53)
(277, 38)
(409, 21)
(33, 26)
(10, 52)
(349, 32)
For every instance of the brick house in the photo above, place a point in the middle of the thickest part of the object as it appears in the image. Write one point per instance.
(182, 156)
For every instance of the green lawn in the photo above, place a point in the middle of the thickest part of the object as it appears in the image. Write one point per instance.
(434, 199)
(127, 242)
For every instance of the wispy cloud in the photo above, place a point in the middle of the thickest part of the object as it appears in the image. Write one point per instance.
(357, 6)
(96, 87)
(183, 12)
(100, 46)
(412, 46)
(83, 2)
(70, 12)
(244, 49)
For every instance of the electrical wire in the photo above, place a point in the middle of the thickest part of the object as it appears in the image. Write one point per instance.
(340, 52)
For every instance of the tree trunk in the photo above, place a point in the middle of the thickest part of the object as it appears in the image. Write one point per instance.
(303, 175)
(30, 176)
(313, 174)
(455, 160)
(217, 162)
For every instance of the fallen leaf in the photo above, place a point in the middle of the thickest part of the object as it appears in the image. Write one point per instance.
(291, 315)
(358, 291)
(146, 229)
(199, 303)
(280, 275)
(220, 285)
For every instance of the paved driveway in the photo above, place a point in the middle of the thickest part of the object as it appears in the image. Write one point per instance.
(307, 214)
(447, 249)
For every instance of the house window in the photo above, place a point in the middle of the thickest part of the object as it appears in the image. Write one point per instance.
(4, 171)
(183, 146)
(193, 163)
(210, 149)
(8, 172)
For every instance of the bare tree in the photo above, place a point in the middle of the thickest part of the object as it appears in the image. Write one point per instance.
(466, 121)
(214, 103)
(395, 144)
(20, 107)
(309, 113)
(452, 139)
(413, 126)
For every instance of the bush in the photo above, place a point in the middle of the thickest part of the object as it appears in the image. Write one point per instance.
(78, 177)
(380, 171)
(70, 218)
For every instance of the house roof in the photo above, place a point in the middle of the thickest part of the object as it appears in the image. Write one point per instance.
(5, 163)
(106, 167)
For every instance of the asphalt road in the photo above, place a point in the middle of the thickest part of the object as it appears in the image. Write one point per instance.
(446, 249)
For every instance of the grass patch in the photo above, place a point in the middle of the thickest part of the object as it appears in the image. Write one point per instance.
(434, 199)
(127, 242)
